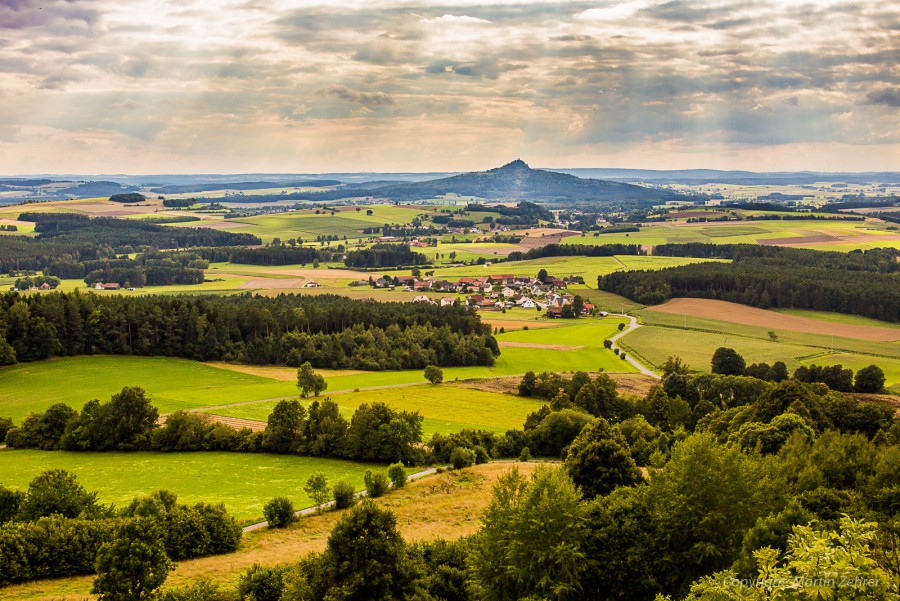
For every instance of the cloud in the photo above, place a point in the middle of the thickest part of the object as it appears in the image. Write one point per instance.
(886, 96)
(420, 81)
(367, 99)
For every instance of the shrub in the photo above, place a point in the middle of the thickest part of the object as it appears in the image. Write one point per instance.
(376, 483)
(525, 455)
(317, 488)
(434, 374)
(261, 583)
(481, 454)
(133, 565)
(279, 512)
(344, 496)
(397, 475)
(201, 590)
(461, 457)
(74, 545)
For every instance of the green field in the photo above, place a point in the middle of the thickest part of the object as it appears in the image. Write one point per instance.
(448, 408)
(695, 340)
(242, 481)
(307, 225)
(844, 235)
(587, 267)
(182, 384)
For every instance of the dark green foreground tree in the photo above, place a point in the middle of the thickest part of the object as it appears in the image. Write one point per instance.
(133, 565)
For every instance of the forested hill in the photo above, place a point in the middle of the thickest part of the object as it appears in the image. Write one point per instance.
(859, 283)
(328, 331)
(517, 181)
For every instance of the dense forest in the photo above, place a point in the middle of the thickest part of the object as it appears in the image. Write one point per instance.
(68, 243)
(384, 255)
(328, 331)
(523, 214)
(71, 227)
(279, 254)
(859, 283)
(576, 250)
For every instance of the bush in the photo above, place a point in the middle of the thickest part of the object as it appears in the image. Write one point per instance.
(279, 512)
(481, 454)
(525, 455)
(344, 496)
(6, 425)
(434, 374)
(74, 545)
(260, 583)
(397, 475)
(461, 458)
(376, 483)
(201, 590)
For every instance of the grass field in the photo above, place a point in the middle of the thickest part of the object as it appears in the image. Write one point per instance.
(455, 501)
(695, 339)
(822, 235)
(448, 408)
(182, 384)
(242, 481)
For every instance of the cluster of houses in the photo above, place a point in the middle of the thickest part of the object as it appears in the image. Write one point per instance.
(491, 293)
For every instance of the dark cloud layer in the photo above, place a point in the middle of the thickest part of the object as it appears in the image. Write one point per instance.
(555, 78)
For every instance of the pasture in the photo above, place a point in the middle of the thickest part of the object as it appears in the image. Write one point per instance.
(455, 502)
(815, 234)
(447, 408)
(242, 481)
(693, 329)
(183, 384)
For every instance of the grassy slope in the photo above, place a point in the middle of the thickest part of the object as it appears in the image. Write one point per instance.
(181, 384)
(455, 502)
(448, 408)
(243, 481)
(696, 344)
(747, 232)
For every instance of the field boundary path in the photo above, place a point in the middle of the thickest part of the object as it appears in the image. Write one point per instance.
(633, 325)
(311, 510)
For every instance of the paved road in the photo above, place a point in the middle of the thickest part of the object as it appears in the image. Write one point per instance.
(632, 327)
(329, 504)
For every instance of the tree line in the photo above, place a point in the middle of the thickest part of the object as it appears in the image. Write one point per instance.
(865, 283)
(329, 330)
(577, 250)
(73, 227)
(384, 255)
(129, 422)
(56, 528)
(280, 254)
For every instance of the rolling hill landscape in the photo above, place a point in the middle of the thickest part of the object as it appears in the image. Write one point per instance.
(281, 321)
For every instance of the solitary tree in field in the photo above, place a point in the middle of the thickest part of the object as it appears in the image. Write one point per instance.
(434, 374)
(309, 381)
(317, 488)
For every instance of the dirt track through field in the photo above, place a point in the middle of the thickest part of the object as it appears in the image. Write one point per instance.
(751, 316)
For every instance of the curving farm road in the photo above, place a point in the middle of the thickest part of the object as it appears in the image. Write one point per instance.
(631, 327)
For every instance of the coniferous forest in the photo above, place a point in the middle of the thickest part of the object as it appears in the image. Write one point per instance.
(328, 331)
(865, 283)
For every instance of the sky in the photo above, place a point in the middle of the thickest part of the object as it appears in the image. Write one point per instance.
(219, 86)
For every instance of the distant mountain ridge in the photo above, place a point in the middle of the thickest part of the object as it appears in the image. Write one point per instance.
(699, 177)
(518, 181)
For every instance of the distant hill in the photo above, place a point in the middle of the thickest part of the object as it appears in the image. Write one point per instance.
(699, 177)
(518, 181)
(212, 187)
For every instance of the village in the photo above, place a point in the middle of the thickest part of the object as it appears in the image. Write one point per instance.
(494, 292)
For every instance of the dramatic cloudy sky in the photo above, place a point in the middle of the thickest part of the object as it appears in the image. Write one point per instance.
(148, 86)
